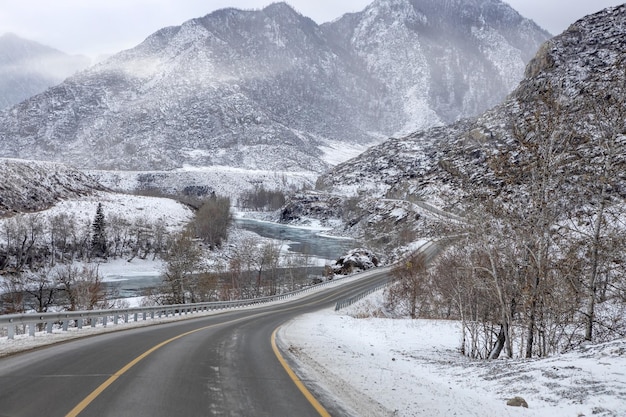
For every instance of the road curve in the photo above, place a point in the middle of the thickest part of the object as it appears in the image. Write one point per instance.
(219, 365)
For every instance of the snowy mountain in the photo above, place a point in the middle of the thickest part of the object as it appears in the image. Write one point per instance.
(270, 89)
(28, 68)
(560, 135)
(33, 186)
(568, 108)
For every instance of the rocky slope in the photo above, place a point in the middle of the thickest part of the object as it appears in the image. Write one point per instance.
(28, 68)
(269, 89)
(29, 186)
(574, 79)
(571, 104)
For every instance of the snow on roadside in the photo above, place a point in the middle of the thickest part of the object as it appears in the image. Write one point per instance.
(403, 367)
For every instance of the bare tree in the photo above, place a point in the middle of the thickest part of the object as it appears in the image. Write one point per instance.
(12, 294)
(596, 224)
(212, 221)
(43, 290)
(82, 287)
(411, 287)
(182, 264)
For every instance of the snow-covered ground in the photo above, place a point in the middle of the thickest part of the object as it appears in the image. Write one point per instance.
(172, 214)
(223, 180)
(168, 212)
(403, 367)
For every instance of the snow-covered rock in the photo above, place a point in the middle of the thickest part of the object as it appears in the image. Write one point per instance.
(356, 260)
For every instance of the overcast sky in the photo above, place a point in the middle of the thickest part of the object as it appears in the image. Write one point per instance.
(95, 27)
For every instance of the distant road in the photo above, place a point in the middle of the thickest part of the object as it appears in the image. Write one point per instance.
(220, 365)
(430, 208)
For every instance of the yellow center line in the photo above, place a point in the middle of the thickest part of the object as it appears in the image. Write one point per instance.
(89, 399)
(95, 393)
(307, 394)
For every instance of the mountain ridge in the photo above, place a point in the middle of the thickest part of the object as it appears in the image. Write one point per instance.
(571, 104)
(257, 89)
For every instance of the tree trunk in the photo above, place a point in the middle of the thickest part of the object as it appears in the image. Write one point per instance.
(593, 286)
(530, 339)
(497, 349)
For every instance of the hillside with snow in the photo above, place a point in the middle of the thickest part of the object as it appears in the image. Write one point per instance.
(572, 97)
(272, 90)
(29, 186)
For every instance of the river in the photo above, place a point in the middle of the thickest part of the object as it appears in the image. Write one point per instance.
(302, 240)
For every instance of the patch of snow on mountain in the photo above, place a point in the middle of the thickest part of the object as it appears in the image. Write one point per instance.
(336, 152)
(507, 59)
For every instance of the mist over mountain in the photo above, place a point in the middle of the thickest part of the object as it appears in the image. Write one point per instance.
(28, 68)
(568, 111)
(270, 89)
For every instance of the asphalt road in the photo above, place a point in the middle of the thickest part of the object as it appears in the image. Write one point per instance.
(220, 365)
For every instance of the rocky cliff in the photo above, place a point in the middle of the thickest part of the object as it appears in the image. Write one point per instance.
(559, 136)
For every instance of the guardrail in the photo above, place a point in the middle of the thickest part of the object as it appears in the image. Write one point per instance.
(351, 300)
(30, 323)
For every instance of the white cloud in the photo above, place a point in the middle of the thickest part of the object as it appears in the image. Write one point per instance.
(97, 27)
(556, 15)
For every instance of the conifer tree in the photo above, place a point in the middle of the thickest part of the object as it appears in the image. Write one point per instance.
(98, 237)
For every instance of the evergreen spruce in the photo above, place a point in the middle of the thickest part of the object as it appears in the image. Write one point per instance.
(98, 237)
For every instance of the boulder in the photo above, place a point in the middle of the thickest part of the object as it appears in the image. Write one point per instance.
(356, 260)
